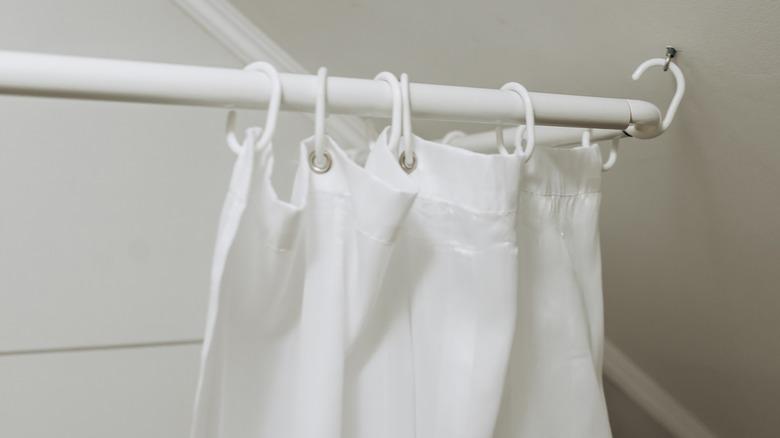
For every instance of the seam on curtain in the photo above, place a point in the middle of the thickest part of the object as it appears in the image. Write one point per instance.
(506, 212)
(463, 248)
(276, 248)
(374, 238)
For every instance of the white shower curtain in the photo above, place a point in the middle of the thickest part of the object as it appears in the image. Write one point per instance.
(460, 301)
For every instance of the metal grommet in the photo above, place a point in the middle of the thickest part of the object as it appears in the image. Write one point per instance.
(316, 168)
(408, 168)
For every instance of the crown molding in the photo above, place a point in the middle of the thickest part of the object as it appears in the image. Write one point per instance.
(248, 43)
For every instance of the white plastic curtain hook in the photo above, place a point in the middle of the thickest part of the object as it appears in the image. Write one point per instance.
(271, 116)
(613, 148)
(320, 111)
(395, 121)
(230, 132)
(500, 140)
(586, 138)
(319, 159)
(407, 159)
(612, 158)
(679, 91)
(530, 125)
(452, 135)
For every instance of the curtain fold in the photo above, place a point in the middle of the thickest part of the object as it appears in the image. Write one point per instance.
(462, 300)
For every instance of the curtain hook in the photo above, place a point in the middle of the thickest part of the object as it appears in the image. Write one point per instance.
(319, 159)
(396, 118)
(612, 158)
(452, 135)
(407, 159)
(530, 125)
(500, 139)
(586, 137)
(273, 109)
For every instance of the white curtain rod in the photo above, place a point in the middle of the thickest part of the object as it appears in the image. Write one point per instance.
(31, 74)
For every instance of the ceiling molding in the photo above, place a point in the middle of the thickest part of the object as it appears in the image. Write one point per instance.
(650, 396)
(243, 39)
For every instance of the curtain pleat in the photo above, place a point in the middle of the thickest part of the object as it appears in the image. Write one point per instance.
(462, 300)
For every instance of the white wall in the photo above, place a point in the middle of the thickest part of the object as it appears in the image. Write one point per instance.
(107, 218)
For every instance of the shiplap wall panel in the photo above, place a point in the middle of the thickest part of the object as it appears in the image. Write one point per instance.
(109, 210)
(106, 233)
(132, 393)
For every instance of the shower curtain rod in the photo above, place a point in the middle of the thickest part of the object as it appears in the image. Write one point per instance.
(43, 75)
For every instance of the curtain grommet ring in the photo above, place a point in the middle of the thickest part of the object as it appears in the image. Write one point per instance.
(408, 168)
(320, 168)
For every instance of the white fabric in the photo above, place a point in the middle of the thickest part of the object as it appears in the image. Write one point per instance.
(460, 301)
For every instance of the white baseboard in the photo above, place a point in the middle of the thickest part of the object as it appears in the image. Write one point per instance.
(646, 393)
(242, 38)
